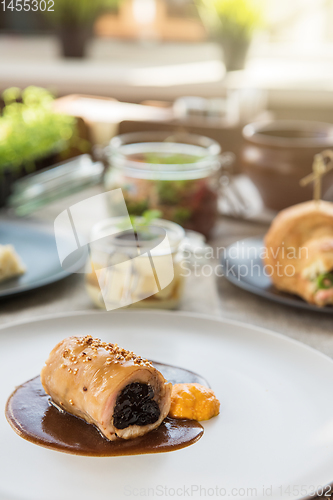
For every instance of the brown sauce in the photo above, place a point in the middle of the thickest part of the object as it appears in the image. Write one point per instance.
(32, 416)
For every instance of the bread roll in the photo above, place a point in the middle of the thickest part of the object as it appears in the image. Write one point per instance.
(299, 251)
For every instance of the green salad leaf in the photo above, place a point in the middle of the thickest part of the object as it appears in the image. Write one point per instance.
(325, 281)
(170, 192)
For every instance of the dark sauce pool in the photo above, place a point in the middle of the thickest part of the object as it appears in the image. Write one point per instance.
(32, 417)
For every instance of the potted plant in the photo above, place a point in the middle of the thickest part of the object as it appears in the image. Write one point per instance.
(74, 20)
(232, 23)
(31, 135)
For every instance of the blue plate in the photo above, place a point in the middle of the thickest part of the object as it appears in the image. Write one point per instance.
(37, 249)
(244, 268)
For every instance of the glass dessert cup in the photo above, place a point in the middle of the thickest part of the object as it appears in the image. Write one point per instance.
(136, 268)
(175, 174)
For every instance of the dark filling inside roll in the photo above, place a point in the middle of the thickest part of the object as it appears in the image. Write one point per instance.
(135, 406)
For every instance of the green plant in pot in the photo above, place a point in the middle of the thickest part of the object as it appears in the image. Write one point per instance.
(232, 23)
(32, 135)
(74, 20)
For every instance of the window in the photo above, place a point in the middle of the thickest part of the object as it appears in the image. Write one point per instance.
(300, 22)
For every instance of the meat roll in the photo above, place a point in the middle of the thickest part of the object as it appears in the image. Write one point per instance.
(120, 393)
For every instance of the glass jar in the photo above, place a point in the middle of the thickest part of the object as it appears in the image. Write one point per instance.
(176, 174)
(137, 268)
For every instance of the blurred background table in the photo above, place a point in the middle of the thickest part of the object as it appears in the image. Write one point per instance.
(203, 295)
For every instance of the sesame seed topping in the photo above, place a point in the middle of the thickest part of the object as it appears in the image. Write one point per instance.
(117, 354)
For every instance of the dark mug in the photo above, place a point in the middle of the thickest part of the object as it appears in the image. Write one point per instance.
(278, 154)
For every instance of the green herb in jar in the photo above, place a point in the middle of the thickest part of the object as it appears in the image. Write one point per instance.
(142, 222)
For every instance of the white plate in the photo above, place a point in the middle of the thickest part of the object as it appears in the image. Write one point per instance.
(275, 429)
